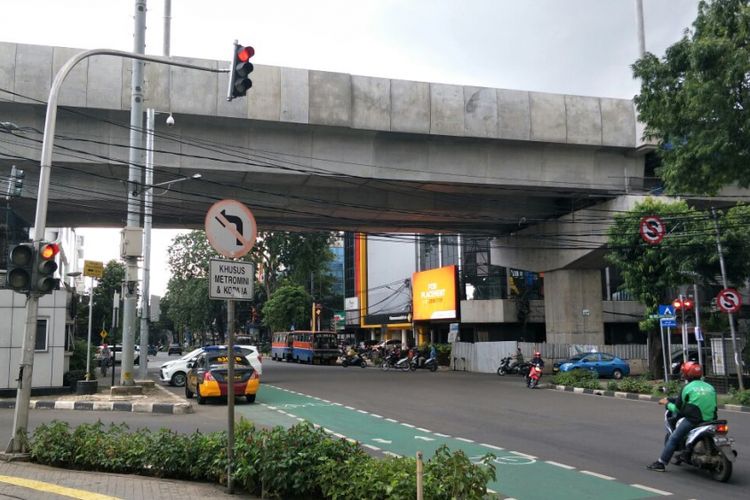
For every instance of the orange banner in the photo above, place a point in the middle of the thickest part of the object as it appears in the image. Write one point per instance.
(434, 294)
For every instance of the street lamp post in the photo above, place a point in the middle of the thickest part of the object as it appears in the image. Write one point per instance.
(18, 442)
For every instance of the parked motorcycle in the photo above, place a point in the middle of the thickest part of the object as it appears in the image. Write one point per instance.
(706, 447)
(357, 360)
(508, 368)
(421, 362)
(535, 373)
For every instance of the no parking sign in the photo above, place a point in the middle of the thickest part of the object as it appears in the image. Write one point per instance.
(652, 229)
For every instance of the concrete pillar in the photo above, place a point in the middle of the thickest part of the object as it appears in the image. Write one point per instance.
(573, 304)
(404, 338)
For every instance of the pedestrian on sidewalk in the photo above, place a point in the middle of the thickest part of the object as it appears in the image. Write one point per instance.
(104, 358)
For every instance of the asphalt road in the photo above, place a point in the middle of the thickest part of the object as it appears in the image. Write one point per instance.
(610, 437)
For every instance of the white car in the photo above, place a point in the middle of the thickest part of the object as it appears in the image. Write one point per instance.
(174, 372)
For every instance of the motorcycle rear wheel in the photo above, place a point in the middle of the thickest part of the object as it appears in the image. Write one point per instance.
(385, 366)
(363, 363)
(724, 471)
(433, 367)
(501, 371)
(344, 363)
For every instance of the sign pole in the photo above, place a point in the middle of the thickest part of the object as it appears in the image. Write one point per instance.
(230, 394)
(698, 332)
(88, 338)
(669, 342)
(683, 330)
(664, 352)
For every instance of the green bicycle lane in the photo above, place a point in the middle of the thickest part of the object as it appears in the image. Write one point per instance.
(519, 475)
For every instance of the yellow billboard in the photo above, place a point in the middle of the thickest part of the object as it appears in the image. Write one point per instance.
(434, 294)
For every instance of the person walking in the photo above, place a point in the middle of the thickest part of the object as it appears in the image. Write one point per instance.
(104, 358)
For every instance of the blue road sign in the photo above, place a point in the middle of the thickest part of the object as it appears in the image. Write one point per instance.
(666, 310)
(668, 322)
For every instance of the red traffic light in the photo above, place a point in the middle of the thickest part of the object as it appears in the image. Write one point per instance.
(49, 250)
(245, 53)
(678, 304)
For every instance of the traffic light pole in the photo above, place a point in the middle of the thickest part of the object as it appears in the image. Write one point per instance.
(18, 443)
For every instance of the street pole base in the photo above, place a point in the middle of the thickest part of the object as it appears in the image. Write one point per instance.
(14, 457)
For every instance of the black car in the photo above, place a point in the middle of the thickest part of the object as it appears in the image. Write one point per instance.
(174, 349)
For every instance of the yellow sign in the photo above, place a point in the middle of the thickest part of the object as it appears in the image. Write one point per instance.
(434, 294)
(103, 334)
(93, 268)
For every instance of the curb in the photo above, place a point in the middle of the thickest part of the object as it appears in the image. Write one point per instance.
(126, 406)
(631, 395)
(177, 408)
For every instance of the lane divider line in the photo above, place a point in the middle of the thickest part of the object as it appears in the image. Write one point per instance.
(524, 455)
(558, 464)
(376, 415)
(491, 446)
(349, 407)
(652, 490)
(407, 425)
(391, 420)
(441, 435)
(363, 411)
(424, 430)
(596, 474)
(464, 440)
(373, 448)
(390, 453)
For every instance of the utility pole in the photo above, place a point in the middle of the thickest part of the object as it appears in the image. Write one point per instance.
(135, 176)
(737, 360)
(148, 197)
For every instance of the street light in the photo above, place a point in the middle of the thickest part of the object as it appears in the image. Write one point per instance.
(148, 197)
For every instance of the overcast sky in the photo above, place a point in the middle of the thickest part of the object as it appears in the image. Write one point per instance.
(581, 47)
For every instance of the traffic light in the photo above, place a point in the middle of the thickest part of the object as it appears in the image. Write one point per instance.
(239, 72)
(15, 186)
(45, 266)
(684, 303)
(20, 267)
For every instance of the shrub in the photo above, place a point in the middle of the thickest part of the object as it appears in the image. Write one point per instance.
(578, 378)
(613, 386)
(639, 385)
(301, 462)
(671, 388)
(738, 397)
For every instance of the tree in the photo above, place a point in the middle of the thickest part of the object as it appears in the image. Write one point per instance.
(111, 282)
(695, 101)
(288, 307)
(686, 255)
(187, 291)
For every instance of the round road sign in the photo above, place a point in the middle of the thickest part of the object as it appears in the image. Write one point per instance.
(231, 228)
(652, 229)
(729, 300)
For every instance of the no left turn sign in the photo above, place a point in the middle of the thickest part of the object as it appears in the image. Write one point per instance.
(231, 228)
(652, 229)
(729, 300)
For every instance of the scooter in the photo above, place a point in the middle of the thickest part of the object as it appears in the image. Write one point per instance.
(421, 362)
(508, 368)
(532, 379)
(357, 360)
(706, 447)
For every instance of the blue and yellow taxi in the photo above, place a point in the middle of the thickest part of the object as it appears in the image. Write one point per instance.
(207, 376)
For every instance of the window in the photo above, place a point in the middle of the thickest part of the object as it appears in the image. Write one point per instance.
(40, 343)
(607, 357)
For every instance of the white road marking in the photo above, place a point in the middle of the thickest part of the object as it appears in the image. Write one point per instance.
(325, 400)
(349, 407)
(524, 455)
(374, 448)
(362, 411)
(424, 438)
(424, 430)
(596, 474)
(300, 419)
(441, 435)
(381, 440)
(652, 490)
(391, 420)
(376, 415)
(407, 425)
(492, 446)
(464, 440)
(392, 454)
(558, 464)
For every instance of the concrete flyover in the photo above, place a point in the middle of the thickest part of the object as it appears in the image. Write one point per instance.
(330, 151)
(312, 149)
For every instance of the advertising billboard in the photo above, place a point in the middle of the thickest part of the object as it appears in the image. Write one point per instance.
(435, 294)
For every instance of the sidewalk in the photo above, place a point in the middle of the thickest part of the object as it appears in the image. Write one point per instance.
(155, 399)
(32, 481)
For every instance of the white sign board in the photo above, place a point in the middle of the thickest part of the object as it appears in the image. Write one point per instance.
(231, 228)
(230, 280)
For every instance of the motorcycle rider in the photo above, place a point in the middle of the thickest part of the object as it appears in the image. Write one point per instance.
(517, 359)
(537, 359)
(351, 353)
(696, 402)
